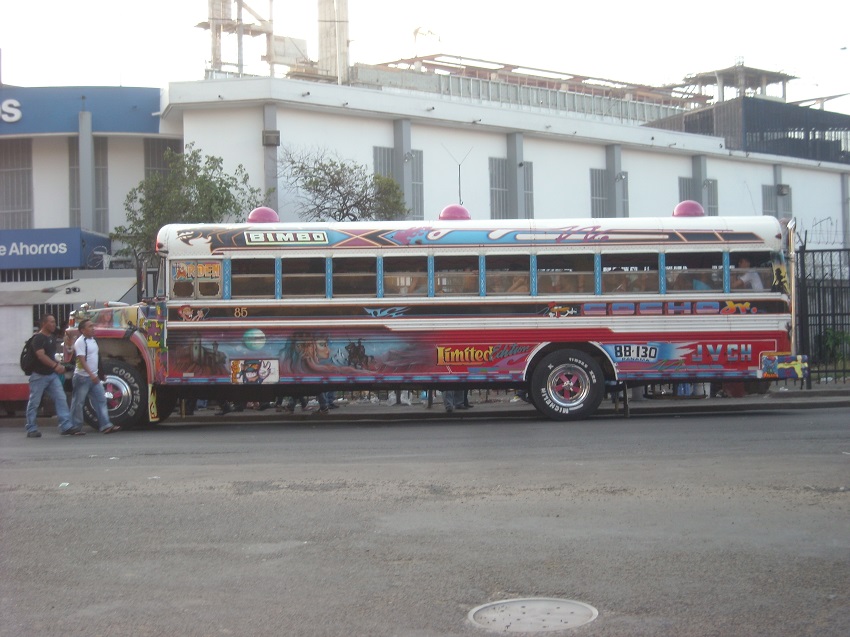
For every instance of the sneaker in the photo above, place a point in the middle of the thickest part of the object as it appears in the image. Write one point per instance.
(450, 408)
(33, 434)
(322, 412)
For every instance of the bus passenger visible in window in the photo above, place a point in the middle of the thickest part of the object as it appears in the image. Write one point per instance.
(617, 281)
(418, 284)
(747, 278)
(702, 282)
(684, 281)
(519, 285)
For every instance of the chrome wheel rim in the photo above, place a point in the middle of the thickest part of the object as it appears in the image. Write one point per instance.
(568, 385)
(121, 394)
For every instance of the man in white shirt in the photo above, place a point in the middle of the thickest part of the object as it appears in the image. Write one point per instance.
(747, 278)
(86, 381)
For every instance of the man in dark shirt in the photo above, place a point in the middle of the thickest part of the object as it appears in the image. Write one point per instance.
(48, 376)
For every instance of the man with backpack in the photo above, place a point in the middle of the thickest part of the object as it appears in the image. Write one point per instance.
(48, 376)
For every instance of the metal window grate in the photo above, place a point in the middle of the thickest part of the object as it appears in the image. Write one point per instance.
(769, 201)
(383, 160)
(499, 188)
(16, 189)
(598, 194)
(35, 274)
(712, 206)
(687, 190)
(155, 154)
(528, 180)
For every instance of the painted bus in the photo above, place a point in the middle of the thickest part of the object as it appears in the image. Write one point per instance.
(558, 308)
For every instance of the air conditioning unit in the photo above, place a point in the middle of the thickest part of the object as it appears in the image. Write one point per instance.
(783, 190)
(271, 138)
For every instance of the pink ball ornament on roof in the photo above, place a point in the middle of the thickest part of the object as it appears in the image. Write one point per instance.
(454, 212)
(263, 215)
(688, 208)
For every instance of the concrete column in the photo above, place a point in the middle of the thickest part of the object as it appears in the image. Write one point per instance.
(783, 202)
(516, 175)
(403, 160)
(698, 172)
(270, 167)
(86, 161)
(616, 188)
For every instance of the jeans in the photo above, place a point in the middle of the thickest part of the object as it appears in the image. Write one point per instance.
(52, 384)
(325, 399)
(83, 387)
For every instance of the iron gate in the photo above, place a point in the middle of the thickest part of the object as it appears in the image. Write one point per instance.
(823, 310)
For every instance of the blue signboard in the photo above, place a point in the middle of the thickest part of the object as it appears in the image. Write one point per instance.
(30, 111)
(49, 248)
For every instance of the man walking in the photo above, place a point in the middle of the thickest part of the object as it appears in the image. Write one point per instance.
(86, 381)
(48, 376)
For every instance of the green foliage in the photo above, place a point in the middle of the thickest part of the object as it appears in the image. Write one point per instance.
(193, 189)
(836, 343)
(332, 189)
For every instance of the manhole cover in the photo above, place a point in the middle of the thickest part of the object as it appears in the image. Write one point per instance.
(532, 615)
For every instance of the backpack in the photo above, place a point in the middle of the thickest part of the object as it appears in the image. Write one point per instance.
(28, 358)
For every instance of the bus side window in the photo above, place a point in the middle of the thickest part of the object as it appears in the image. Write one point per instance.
(629, 273)
(694, 272)
(751, 271)
(182, 290)
(508, 274)
(252, 278)
(562, 273)
(195, 279)
(406, 276)
(456, 275)
(354, 276)
(303, 277)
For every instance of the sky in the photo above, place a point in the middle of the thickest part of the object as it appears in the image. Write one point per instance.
(153, 42)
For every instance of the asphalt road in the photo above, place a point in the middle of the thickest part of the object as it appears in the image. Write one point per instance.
(730, 524)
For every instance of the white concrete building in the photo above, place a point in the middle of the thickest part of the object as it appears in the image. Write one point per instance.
(69, 156)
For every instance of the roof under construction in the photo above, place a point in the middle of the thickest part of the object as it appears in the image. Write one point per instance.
(446, 64)
(745, 81)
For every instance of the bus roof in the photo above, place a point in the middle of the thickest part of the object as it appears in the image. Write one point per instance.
(660, 233)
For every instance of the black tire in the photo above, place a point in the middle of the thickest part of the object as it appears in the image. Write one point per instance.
(567, 385)
(128, 406)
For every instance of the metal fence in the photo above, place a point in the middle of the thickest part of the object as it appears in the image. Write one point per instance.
(823, 307)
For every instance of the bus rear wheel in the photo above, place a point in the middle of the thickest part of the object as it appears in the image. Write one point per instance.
(567, 385)
(128, 406)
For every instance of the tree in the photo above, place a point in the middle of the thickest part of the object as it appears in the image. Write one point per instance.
(192, 189)
(332, 189)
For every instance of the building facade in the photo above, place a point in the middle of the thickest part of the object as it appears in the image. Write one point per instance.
(69, 156)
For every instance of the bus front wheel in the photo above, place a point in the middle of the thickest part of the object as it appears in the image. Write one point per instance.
(128, 405)
(567, 385)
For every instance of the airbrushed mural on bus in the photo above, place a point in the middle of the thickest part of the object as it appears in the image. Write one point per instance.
(557, 307)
